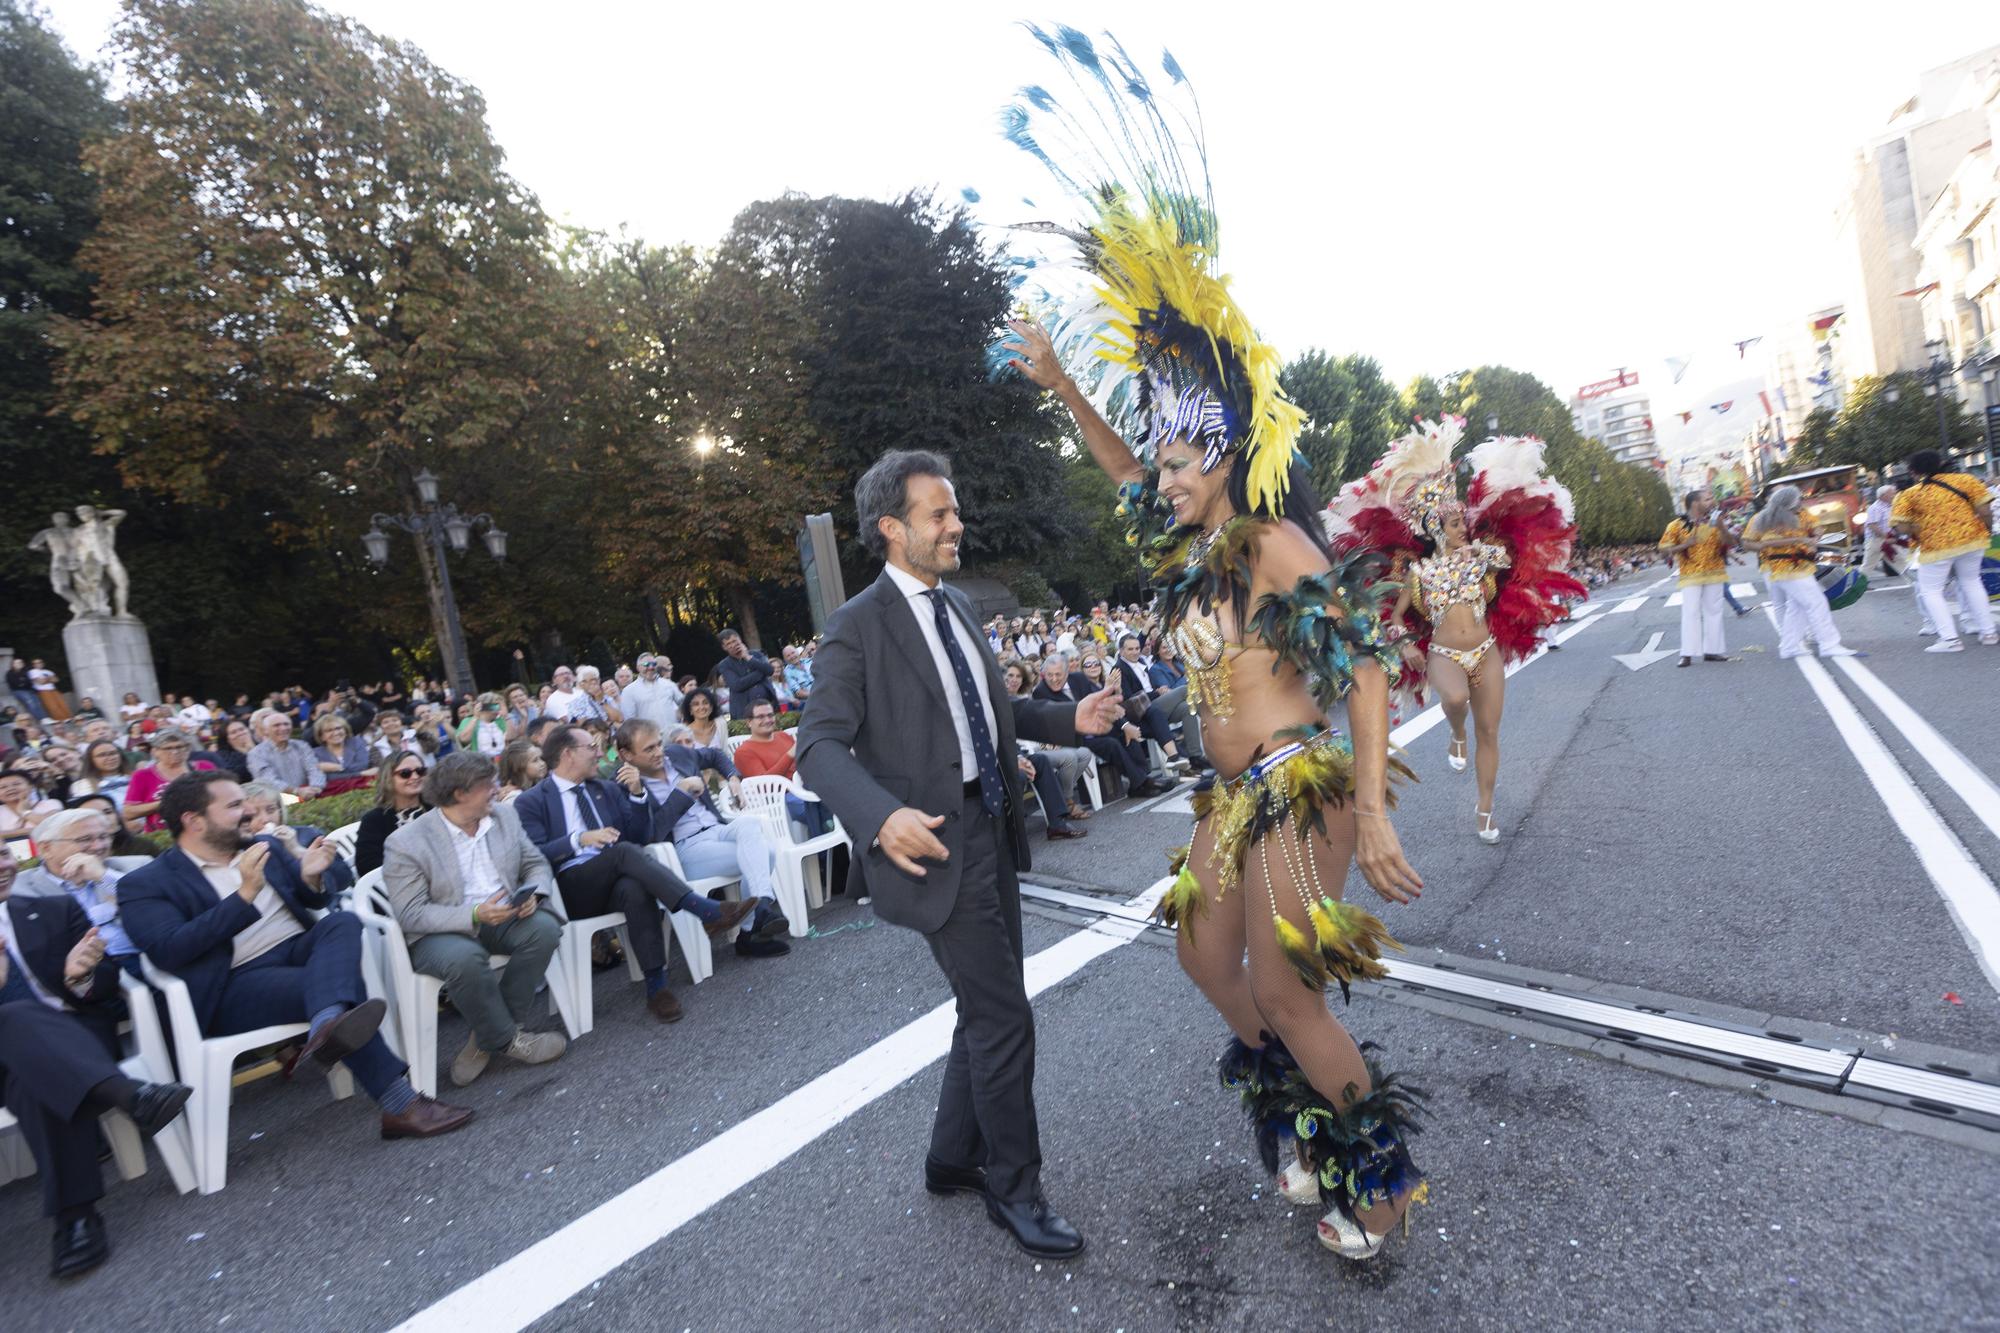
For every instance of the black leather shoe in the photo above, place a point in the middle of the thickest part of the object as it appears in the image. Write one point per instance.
(155, 1105)
(345, 1035)
(775, 927)
(1035, 1228)
(942, 1179)
(80, 1246)
(750, 947)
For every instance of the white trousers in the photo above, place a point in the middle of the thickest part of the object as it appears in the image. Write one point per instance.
(1971, 594)
(1701, 620)
(1802, 610)
(1872, 562)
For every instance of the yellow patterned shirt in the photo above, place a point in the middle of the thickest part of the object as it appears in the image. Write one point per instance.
(1781, 562)
(1946, 526)
(1702, 562)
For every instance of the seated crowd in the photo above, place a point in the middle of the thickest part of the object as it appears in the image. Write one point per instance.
(496, 820)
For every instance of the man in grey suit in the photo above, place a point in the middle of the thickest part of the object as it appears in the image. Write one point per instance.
(902, 738)
(465, 884)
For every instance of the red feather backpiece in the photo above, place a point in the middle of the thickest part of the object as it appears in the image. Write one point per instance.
(1510, 504)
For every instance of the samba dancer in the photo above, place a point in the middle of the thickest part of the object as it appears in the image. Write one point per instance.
(1483, 576)
(1224, 517)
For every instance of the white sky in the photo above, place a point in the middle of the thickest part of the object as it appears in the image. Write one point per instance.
(1564, 188)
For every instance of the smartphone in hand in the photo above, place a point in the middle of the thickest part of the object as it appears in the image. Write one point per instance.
(521, 896)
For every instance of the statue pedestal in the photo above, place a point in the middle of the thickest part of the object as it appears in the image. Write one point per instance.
(110, 656)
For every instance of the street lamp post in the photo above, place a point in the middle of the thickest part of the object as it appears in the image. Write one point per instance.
(440, 530)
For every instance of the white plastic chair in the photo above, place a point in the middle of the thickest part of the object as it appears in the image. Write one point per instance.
(730, 746)
(413, 995)
(688, 928)
(798, 855)
(1087, 771)
(128, 1149)
(342, 840)
(207, 1065)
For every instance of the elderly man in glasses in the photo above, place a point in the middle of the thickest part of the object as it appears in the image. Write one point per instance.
(75, 849)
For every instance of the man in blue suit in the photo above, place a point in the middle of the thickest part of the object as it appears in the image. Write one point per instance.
(595, 834)
(234, 918)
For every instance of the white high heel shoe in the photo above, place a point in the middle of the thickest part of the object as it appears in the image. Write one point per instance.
(1298, 1183)
(1455, 756)
(1338, 1233)
(1488, 833)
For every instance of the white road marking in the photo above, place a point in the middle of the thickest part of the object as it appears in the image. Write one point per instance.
(549, 1272)
(1741, 590)
(1960, 774)
(1627, 606)
(1658, 584)
(1675, 600)
(1969, 896)
(1644, 658)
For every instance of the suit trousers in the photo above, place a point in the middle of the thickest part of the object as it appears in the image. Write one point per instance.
(50, 1066)
(986, 1107)
(624, 878)
(299, 978)
(494, 1003)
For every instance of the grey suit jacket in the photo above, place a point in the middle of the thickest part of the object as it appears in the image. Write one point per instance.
(420, 872)
(39, 883)
(877, 735)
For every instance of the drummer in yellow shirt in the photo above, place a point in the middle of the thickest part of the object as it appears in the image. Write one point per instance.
(1950, 517)
(1701, 547)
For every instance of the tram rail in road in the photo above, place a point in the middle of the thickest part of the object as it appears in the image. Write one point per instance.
(1939, 1090)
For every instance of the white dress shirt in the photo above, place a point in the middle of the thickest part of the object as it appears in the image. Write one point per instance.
(657, 701)
(478, 880)
(972, 645)
(275, 923)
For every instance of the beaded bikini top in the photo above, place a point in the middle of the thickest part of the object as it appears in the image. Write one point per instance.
(1463, 577)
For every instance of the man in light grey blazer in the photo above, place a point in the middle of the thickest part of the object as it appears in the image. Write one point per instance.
(903, 737)
(465, 884)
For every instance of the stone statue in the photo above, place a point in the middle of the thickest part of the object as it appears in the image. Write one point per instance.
(100, 574)
(84, 568)
(60, 542)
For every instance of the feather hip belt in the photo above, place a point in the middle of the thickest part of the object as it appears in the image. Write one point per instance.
(1282, 799)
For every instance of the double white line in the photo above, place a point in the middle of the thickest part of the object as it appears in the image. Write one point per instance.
(1969, 895)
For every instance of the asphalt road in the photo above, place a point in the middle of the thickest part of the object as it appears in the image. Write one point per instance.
(1703, 834)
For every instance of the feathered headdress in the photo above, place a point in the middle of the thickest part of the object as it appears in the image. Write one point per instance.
(1413, 478)
(1169, 352)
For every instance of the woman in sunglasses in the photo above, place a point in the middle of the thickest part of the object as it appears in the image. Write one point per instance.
(399, 798)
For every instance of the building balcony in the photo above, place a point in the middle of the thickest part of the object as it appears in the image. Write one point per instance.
(1981, 278)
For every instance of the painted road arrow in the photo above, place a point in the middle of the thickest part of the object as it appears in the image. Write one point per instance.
(1641, 660)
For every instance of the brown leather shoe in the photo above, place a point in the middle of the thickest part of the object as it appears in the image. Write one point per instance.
(664, 1005)
(1061, 834)
(733, 912)
(344, 1035)
(426, 1118)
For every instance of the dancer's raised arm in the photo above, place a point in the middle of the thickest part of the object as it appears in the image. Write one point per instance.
(1034, 355)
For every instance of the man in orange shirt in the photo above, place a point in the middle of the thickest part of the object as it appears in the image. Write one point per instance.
(770, 750)
(1701, 547)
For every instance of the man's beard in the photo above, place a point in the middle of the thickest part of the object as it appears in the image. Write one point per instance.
(928, 558)
(226, 842)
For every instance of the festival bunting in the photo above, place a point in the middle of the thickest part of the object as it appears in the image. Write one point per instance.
(1722, 408)
(1743, 348)
(1687, 417)
(1679, 365)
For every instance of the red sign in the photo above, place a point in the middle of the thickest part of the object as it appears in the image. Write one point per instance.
(1624, 379)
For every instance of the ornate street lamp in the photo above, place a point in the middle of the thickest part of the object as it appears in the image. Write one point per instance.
(443, 530)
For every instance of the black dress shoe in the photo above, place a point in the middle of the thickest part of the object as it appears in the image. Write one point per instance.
(345, 1035)
(155, 1105)
(1035, 1228)
(80, 1246)
(775, 927)
(942, 1179)
(1064, 834)
(751, 947)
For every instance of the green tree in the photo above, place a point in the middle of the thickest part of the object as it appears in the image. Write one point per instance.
(48, 106)
(315, 278)
(1887, 418)
(1815, 445)
(1352, 414)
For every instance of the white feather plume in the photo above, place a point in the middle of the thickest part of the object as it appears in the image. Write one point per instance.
(1513, 464)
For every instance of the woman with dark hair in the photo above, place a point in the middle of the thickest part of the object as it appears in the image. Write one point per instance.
(234, 742)
(703, 716)
(103, 774)
(399, 798)
(1274, 638)
(1949, 515)
(521, 767)
(124, 842)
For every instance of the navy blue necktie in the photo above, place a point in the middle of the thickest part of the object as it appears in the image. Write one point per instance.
(992, 788)
(16, 986)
